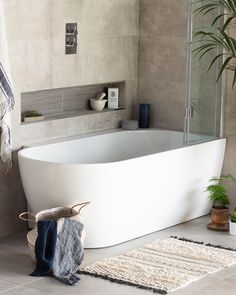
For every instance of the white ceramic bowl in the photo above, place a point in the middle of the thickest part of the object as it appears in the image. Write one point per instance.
(97, 105)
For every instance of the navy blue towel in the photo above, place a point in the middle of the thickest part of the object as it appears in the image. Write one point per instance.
(45, 247)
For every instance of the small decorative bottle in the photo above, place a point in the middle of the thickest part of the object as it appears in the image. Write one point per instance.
(144, 115)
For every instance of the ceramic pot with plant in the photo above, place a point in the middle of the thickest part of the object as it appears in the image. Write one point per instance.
(232, 222)
(220, 203)
(32, 115)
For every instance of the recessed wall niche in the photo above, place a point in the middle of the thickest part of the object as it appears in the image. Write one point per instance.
(67, 102)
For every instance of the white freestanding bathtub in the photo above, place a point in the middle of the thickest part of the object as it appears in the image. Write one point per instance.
(137, 182)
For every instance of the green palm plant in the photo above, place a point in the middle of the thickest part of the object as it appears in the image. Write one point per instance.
(227, 6)
(221, 39)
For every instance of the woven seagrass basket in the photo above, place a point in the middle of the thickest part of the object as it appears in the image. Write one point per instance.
(54, 213)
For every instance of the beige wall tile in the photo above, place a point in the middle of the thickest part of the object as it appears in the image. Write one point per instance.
(230, 166)
(12, 201)
(107, 51)
(162, 61)
(230, 128)
(28, 20)
(162, 57)
(166, 99)
(163, 18)
(131, 99)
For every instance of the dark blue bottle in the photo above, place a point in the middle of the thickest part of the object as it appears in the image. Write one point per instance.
(144, 115)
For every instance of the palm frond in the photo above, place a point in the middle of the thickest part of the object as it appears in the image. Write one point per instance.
(210, 41)
(228, 8)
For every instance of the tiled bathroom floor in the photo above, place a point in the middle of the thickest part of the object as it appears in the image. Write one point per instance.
(15, 265)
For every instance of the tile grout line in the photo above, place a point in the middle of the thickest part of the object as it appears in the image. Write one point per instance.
(18, 285)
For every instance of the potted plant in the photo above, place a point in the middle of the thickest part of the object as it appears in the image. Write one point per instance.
(219, 38)
(232, 222)
(32, 115)
(220, 203)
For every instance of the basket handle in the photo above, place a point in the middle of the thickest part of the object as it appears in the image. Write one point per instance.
(31, 217)
(82, 205)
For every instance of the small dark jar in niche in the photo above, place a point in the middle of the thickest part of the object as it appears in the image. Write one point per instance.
(144, 115)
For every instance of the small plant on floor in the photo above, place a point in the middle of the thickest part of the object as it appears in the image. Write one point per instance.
(218, 193)
(220, 202)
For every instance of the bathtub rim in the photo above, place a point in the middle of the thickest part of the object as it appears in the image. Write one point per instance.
(104, 132)
(57, 141)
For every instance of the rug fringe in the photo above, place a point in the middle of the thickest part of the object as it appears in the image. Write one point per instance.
(159, 291)
(202, 243)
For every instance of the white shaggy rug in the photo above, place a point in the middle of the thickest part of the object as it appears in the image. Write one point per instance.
(164, 265)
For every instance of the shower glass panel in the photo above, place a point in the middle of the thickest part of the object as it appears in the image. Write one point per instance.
(203, 99)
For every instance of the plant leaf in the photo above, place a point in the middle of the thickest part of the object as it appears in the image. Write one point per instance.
(223, 67)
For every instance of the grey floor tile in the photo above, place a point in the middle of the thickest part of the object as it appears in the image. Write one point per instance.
(15, 265)
(196, 288)
(24, 290)
(87, 286)
(4, 285)
(226, 273)
(16, 275)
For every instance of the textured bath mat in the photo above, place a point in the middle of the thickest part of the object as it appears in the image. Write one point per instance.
(164, 265)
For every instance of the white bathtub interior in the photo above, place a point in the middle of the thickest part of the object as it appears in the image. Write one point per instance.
(106, 148)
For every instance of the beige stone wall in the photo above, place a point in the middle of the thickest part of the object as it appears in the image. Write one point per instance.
(162, 60)
(107, 51)
(230, 133)
(230, 127)
(12, 201)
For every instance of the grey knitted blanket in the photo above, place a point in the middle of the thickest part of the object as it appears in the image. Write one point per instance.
(58, 249)
(69, 251)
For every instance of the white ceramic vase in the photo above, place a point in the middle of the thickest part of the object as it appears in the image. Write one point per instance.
(232, 228)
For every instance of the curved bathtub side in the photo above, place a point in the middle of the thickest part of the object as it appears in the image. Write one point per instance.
(128, 198)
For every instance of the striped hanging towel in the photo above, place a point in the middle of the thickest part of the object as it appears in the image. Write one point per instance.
(6, 99)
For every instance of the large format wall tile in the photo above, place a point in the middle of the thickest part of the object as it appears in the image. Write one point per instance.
(107, 51)
(162, 60)
(12, 201)
(162, 57)
(230, 132)
(163, 18)
(166, 99)
(46, 102)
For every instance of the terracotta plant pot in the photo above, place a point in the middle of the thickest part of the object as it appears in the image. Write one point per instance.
(219, 216)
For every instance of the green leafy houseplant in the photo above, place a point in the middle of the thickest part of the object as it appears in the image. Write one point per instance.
(220, 202)
(218, 193)
(226, 13)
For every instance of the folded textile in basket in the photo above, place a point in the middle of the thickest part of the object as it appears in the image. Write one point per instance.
(58, 249)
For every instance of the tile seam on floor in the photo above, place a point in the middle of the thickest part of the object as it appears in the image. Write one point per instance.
(18, 285)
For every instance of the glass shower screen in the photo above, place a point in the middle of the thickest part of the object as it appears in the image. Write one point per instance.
(203, 93)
